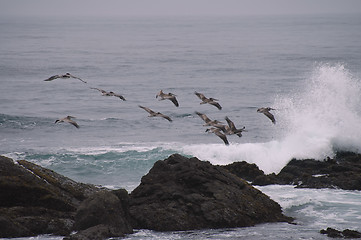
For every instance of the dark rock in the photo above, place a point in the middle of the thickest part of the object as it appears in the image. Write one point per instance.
(37, 199)
(182, 193)
(104, 209)
(245, 170)
(9, 228)
(343, 171)
(331, 232)
(347, 233)
(97, 232)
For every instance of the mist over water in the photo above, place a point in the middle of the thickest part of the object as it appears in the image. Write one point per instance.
(313, 122)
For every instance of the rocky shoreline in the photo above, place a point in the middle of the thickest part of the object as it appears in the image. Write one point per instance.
(178, 193)
(343, 172)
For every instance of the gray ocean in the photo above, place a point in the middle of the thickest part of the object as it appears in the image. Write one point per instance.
(306, 67)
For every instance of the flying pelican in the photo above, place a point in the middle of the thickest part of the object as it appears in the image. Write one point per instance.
(155, 114)
(265, 111)
(69, 120)
(217, 132)
(105, 93)
(205, 100)
(232, 128)
(169, 96)
(64, 76)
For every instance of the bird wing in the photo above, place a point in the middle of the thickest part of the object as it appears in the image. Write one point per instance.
(230, 123)
(174, 101)
(119, 96)
(204, 117)
(270, 116)
(147, 109)
(73, 123)
(166, 117)
(220, 127)
(160, 94)
(215, 104)
(52, 78)
(100, 90)
(70, 75)
(221, 136)
(200, 95)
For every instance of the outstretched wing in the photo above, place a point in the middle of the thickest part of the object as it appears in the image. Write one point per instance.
(204, 117)
(165, 117)
(217, 105)
(70, 75)
(100, 90)
(73, 123)
(270, 116)
(222, 136)
(147, 109)
(200, 95)
(119, 96)
(174, 101)
(52, 78)
(230, 123)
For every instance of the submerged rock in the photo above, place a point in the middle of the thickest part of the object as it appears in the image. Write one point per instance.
(182, 193)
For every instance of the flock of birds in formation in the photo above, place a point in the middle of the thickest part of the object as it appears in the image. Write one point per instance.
(218, 128)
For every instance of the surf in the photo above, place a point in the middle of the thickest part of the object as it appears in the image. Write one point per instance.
(314, 121)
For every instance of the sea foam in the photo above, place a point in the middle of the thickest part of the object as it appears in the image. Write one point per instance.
(314, 121)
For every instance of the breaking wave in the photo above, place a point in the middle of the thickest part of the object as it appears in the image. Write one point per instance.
(315, 121)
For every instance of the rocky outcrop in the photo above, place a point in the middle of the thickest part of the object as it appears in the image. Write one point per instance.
(182, 193)
(244, 170)
(35, 200)
(343, 171)
(347, 233)
(103, 215)
(178, 193)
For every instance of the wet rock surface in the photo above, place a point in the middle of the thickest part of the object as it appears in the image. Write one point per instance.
(182, 193)
(347, 233)
(103, 215)
(343, 171)
(36, 200)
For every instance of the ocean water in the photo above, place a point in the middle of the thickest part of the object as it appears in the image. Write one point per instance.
(306, 67)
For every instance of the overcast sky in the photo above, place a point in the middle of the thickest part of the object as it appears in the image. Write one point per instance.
(174, 7)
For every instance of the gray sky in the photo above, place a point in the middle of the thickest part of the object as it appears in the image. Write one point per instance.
(174, 7)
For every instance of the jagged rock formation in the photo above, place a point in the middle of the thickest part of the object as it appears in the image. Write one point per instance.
(182, 193)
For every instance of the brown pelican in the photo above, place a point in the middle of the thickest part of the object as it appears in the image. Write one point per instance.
(169, 96)
(205, 100)
(69, 120)
(217, 132)
(155, 114)
(66, 75)
(105, 93)
(265, 111)
(232, 128)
